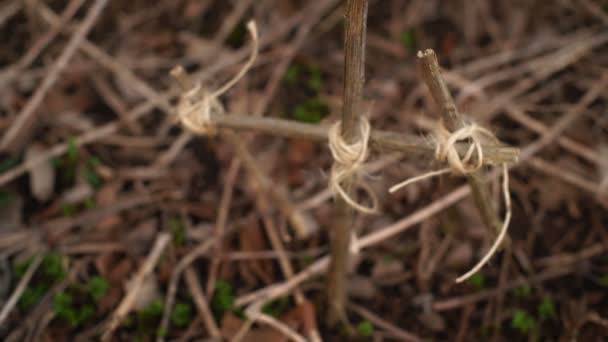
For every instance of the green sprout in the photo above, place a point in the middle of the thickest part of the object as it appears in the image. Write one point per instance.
(32, 295)
(477, 280)
(181, 315)
(310, 111)
(152, 311)
(365, 328)
(98, 287)
(64, 308)
(546, 309)
(52, 267)
(408, 39)
(523, 321)
(223, 297)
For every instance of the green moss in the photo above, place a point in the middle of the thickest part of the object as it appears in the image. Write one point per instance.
(65, 309)
(523, 322)
(477, 280)
(152, 311)
(181, 315)
(97, 287)
(32, 295)
(223, 298)
(52, 267)
(546, 309)
(311, 111)
(365, 328)
(408, 39)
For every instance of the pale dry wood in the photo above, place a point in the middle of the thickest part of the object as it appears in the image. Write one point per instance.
(27, 116)
(144, 271)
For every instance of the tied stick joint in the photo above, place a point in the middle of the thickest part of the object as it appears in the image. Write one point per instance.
(197, 104)
(472, 161)
(349, 164)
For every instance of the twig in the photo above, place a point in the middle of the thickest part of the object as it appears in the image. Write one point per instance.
(381, 140)
(222, 218)
(397, 332)
(6, 309)
(431, 73)
(201, 302)
(27, 115)
(354, 78)
(125, 305)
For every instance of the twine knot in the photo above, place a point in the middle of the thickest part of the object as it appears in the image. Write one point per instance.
(349, 162)
(445, 151)
(197, 105)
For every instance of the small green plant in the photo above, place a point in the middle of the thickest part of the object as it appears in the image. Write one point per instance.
(32, 295)
(522, 291)
(21, 267)
(315, 81)
(223, 297)
(236, 38)
(365, 328)
(546, 309)
(65, 308)
(181, 315)
(523, 322)
(408, 39)
(477, 280)
(97, 287)
(52, 267)
(312, 110)
(152, 311)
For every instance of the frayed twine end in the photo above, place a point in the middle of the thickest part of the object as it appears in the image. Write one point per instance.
(197, 105)
(445, 151)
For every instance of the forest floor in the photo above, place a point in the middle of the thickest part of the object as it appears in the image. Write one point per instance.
(117, 223)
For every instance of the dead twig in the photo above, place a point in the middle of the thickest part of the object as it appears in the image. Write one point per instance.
(26, 117)
(12, 301)
(354, 78)
(125, 305)
(201, 303)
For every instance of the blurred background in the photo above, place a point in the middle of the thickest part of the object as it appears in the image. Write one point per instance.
(100, 184)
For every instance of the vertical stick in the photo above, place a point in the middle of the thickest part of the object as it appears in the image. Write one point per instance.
(354, 77)
(431, 73)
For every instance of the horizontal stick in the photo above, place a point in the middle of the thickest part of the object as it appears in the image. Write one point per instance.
(382, 140)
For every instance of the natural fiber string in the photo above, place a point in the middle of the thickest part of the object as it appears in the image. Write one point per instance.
(445, 151)
(197, 105)
(349, 161)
